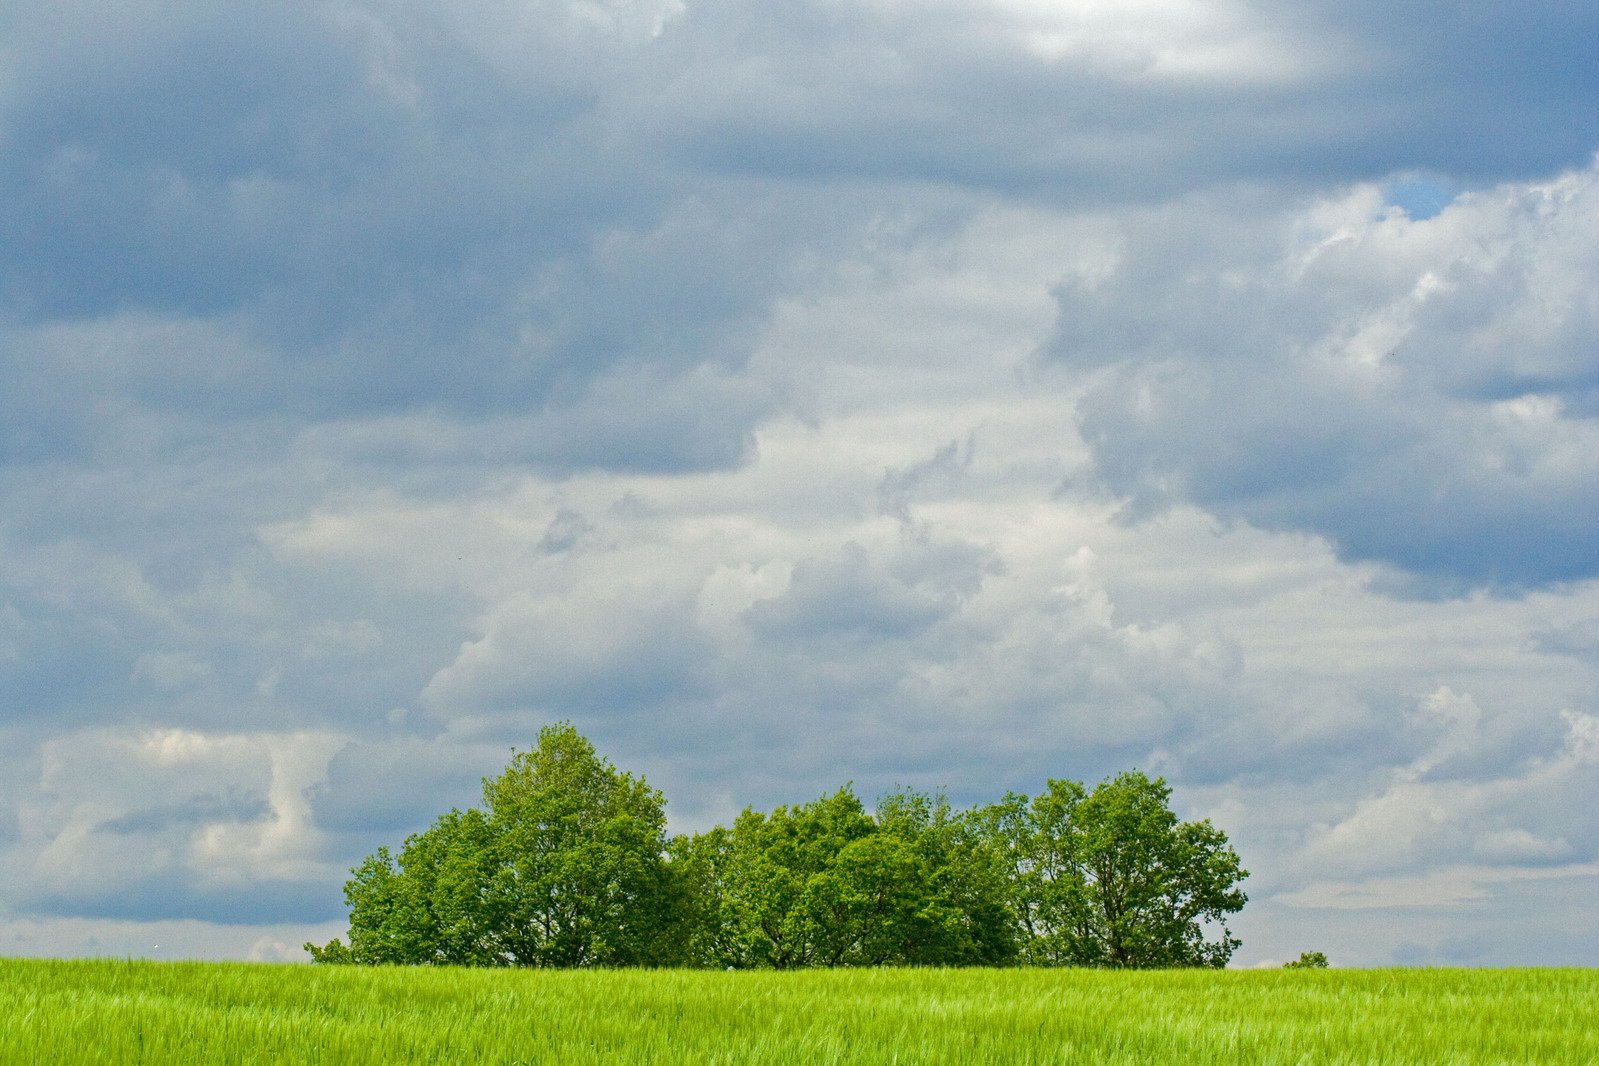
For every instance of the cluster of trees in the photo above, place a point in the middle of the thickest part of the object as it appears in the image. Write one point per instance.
(568, 864)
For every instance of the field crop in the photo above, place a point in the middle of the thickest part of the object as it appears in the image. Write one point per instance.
(128, 1012)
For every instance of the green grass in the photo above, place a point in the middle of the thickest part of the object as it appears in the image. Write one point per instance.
(126, 1012)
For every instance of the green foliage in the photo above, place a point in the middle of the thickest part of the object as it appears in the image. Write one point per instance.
(333, 953)
(105, 1012)
(428, 906)
(793, 895)
(577, 875)
(826, 884)
(568, 866)
(1308, 960)
(962, 918)
(565, 868)
(1112, 878)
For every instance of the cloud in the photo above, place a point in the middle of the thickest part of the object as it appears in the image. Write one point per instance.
(848, 599)
(1530, 816)
(182, 938)
(338, 214)
(1580, 639)
(551, 652)
(1448, 888)
(1418, 392)
(391, 206)
(1080, 102)
(958, 394)
(171, 823)
(388, 784)
(567, 530)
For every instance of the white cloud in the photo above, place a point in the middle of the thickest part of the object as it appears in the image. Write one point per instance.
(201, 816)
(1176, 40)
(1447, 888)
(1422, 819)
(1419, 393)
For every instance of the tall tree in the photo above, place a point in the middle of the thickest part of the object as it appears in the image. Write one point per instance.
(578, 873)
(565, 867)
(1112, 878)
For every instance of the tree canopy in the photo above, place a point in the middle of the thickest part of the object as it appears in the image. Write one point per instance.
(565, 866)
(1112, 878)
(568, 865)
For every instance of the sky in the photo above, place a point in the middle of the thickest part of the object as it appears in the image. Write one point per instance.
(954, 394)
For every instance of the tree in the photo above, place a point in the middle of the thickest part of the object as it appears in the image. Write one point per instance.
(565, 867)
(827, 884)
(1112, 878)
(963, 919)
(783, 889)
(1047, 890)
(1308, 960)
(712, 933)
(579, 876)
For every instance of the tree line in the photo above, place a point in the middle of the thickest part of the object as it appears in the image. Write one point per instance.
(568, 864)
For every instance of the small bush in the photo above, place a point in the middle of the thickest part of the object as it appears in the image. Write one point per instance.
(1308, 960)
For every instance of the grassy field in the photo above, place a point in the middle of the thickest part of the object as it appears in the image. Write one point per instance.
(126, 1012)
